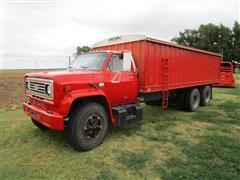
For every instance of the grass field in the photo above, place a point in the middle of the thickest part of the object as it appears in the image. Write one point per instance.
(169, 144)
(11, 88)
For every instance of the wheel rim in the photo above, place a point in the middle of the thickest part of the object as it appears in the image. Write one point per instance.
(93, 126)
(195, 101)
(207, 95)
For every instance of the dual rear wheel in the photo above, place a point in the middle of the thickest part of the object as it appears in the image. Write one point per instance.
(190, 99)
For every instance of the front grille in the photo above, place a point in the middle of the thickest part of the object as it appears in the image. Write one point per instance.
(38, 87)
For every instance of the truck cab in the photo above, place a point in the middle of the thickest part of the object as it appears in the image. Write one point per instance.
(98, 88)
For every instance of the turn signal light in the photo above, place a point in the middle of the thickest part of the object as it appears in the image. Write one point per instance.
(27, 99)
(67, 89)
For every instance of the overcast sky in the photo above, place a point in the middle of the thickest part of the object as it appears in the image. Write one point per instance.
(43, 33)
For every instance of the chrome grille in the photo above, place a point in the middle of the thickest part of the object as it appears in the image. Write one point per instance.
(38, 87)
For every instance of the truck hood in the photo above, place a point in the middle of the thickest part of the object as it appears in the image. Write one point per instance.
(67, 75)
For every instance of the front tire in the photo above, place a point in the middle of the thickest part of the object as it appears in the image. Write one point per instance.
(87, 127)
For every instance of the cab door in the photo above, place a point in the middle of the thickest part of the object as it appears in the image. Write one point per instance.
(121, 80)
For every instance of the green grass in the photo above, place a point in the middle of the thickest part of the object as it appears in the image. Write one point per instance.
(169, 144)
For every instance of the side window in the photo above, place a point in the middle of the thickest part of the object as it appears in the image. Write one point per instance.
(115, 63)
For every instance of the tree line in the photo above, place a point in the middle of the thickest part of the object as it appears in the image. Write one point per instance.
(216, 38)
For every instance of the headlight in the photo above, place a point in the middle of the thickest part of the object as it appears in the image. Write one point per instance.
(48, 89)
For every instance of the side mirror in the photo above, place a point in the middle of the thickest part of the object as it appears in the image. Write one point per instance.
(127, 60)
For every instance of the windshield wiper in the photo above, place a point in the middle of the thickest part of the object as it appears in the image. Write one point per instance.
(71, 67)
(84, 67)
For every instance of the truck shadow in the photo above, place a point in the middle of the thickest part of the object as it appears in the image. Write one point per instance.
(154, 117)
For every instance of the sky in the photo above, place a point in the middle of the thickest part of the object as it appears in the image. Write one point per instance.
(43, 34)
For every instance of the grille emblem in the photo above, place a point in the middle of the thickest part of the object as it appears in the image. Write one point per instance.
(34, 87)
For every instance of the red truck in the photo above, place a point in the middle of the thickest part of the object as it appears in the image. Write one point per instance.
(105, 86)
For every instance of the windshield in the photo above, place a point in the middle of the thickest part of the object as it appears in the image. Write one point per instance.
(92, 61)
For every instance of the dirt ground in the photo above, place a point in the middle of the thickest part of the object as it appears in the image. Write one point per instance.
(11, 88)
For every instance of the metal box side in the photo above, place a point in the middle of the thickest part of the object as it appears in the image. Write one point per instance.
(187, 67)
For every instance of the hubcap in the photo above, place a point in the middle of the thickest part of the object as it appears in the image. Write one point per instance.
(93, 126)
(207, 95)
(195, 101)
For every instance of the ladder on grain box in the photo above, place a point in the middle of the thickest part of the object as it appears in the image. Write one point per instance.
(165, 92)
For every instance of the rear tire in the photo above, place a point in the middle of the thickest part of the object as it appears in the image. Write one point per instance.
(192, 99)
(87, 127)
(39, 125)
(205, 95)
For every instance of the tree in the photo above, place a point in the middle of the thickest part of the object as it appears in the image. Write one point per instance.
(82, 49)
(215, 38)
(224, 42)
(236, 41)
(188, 38)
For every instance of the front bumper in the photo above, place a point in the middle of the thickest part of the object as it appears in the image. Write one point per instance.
(51, 120)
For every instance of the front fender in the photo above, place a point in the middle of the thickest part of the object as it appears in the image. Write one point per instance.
(69, 98)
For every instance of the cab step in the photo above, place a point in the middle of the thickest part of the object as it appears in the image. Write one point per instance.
(127, 113)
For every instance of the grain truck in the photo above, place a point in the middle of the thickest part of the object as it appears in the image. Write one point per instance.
(105, 86)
